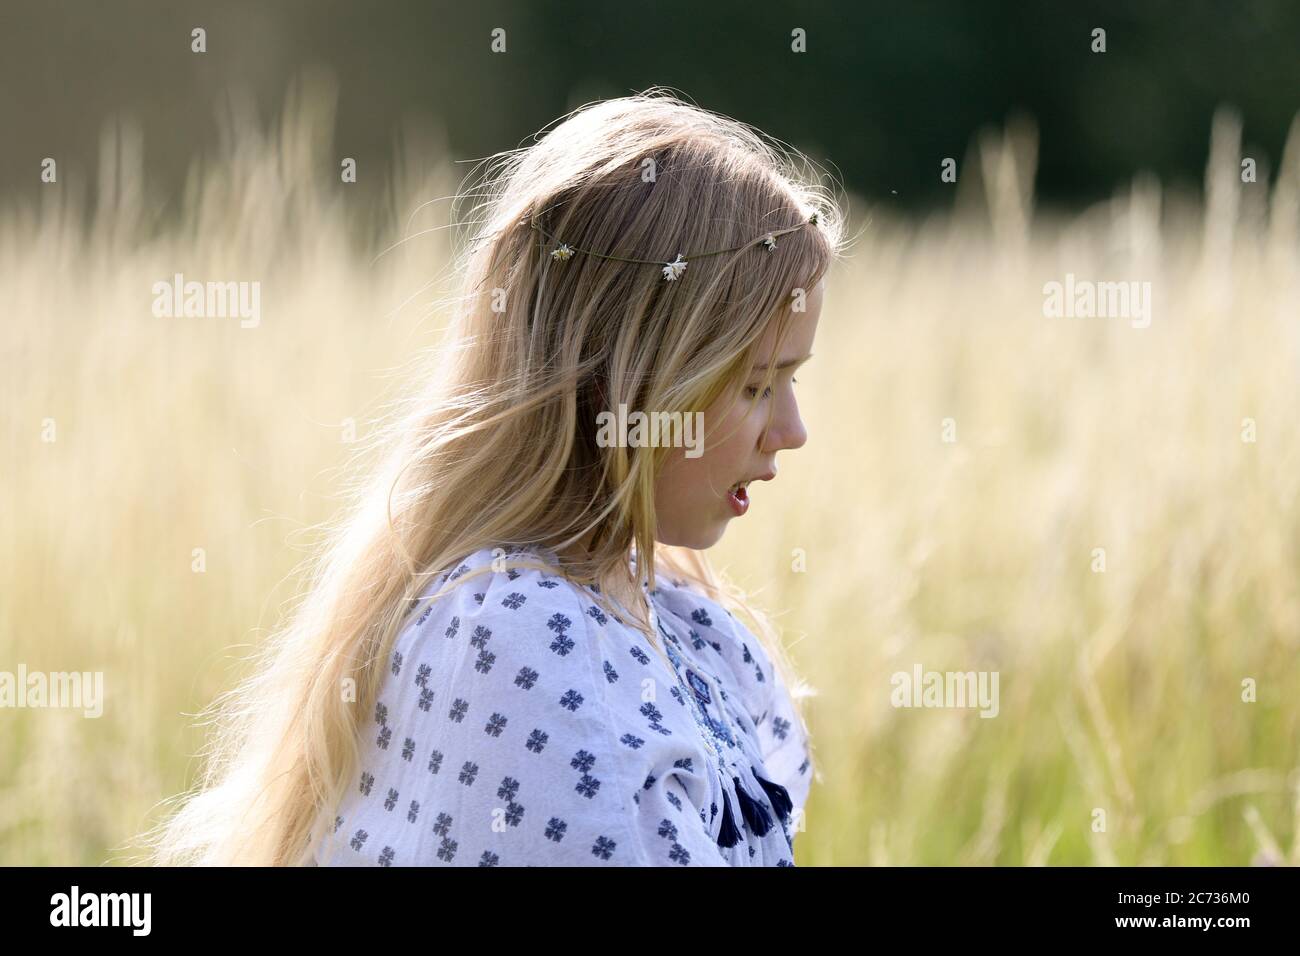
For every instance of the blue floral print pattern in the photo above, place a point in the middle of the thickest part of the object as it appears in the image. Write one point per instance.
(518, 724)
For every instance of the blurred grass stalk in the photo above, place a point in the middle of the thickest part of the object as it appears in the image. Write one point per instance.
(1121, 690)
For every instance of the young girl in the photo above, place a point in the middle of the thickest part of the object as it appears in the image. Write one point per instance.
(515, 652)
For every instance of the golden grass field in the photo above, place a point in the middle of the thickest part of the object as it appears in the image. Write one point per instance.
(1120, 690)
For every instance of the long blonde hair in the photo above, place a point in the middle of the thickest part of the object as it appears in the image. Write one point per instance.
(499, 449)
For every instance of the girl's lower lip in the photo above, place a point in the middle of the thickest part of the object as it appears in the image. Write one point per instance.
(739, 501)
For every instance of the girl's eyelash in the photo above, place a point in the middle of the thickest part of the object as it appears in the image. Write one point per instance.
(752, 390)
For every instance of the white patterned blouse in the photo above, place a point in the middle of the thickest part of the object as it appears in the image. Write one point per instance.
(518, 724)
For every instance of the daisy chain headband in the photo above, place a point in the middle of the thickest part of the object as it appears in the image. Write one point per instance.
(672, 270)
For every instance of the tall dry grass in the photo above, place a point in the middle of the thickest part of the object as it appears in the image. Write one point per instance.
(1120, 691)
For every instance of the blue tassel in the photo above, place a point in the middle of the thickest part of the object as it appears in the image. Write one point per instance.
(755, 814)
(729, 835)
(777, 795)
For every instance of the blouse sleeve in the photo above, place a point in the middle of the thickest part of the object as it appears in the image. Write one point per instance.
(782, 736)
(502, 736)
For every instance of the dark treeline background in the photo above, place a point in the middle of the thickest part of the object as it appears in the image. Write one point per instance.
(885, 91)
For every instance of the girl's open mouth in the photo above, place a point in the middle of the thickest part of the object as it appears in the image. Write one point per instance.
(738, 498)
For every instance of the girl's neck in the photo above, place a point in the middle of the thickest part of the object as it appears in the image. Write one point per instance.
(625, 592)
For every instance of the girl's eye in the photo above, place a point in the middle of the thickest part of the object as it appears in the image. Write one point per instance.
(752, 390)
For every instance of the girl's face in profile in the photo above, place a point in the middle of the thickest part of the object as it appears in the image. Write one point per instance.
(696, 497)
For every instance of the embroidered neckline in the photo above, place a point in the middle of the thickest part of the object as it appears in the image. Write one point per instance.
(716, 732)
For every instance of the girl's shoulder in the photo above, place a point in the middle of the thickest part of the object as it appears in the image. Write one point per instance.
(515, 593)
(493, 580)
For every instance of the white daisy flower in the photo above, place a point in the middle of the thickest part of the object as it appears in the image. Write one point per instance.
(674, 269)
(562, 253)
(770, 242)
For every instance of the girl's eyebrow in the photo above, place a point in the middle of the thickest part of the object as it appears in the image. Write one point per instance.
(786, 364)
